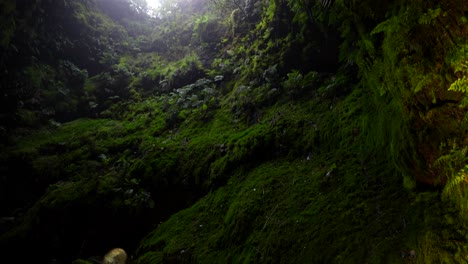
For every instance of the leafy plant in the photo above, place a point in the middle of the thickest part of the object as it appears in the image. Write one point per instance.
(297, 83)
(459, 61)
(227, 6)
(460, 85)
(429, 18)
(455, 191)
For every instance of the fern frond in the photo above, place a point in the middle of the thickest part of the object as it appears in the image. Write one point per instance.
(429, 17)
(425, 80)
(455, 191)
(455, 182)
(460, 85)
(388, 26)
(326, 3)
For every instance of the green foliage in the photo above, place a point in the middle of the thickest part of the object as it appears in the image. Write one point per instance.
(104, 32)
(455, 187)
(300, 11)
(454, 170)
(459, 61)
(135, 196)
(460, 85)
(268, 15)
(272, 206)
(296, 83)
(208, 30)
(407, 74)
(58, 91)
(429, 18)
(332, 176)
(225, 7)
(36, 75)
(28, 118)
(220, 66)
(109, 58)
(294, 79)
(203, 19)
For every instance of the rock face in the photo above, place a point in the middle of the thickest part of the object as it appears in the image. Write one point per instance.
(115, 256)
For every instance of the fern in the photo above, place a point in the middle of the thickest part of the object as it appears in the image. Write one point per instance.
(425, 80)
(455, 181)
(298, 8)
(460, 85)
(294, 80)
(455, 191)
(455, 166)
(389, 26)
(429, 17)
(459, 62)
(453, 160)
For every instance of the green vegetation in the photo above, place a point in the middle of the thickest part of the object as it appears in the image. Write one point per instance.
(235, 131)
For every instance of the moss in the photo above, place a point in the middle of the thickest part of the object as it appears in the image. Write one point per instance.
(297, 167)
(62, 193)
(28, 118)
(90, 85)
(276, 213)
(304, 210)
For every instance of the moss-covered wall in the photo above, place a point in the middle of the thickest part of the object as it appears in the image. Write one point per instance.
(311, 133)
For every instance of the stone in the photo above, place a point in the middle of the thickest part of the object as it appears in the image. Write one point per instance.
(115, 256)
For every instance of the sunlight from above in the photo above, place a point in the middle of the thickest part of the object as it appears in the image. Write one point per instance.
(153, 3)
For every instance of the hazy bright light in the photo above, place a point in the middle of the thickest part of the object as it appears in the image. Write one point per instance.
(153, 3)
